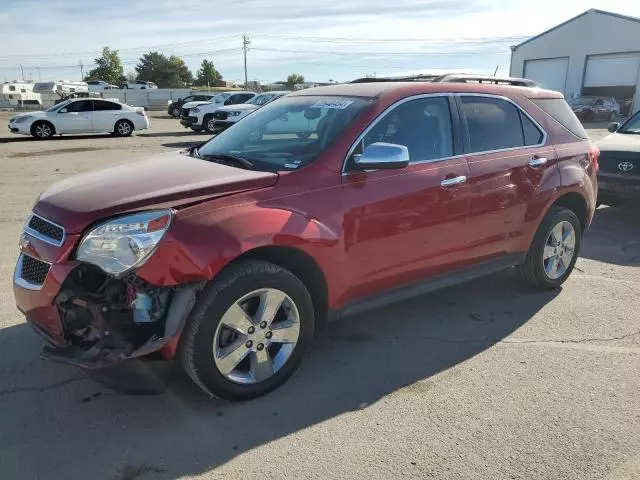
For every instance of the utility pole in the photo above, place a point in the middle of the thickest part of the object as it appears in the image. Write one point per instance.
(245, 44)
(81, 71)
(22, 70)
(496, 70)
(39, 79)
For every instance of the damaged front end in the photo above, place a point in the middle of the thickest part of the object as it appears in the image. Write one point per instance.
(107, 320)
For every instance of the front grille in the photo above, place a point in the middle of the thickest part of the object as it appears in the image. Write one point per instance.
(622, 163)
(185, 112)
(220, 115)
(34, 271)
(46, 229)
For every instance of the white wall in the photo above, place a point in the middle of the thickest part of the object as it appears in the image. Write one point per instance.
(591, 34)
(155, 98)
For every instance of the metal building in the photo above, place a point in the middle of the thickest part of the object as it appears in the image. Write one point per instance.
(596, 53)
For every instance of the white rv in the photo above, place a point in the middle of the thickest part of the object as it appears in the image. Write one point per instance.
(19, 95)
(55, 92)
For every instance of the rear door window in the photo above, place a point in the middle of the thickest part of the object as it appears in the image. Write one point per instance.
(100, 105)
(493, 124)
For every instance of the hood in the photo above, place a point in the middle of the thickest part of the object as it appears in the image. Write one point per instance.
(620, 142)
(194, 104)
(167, 180)
(28, 114)
(241, 107)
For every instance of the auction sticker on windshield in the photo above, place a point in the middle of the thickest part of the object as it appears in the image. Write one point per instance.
(338, 104)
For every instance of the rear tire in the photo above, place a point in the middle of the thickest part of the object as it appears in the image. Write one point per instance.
(203, 349)
(175, 111)
(43, 130)
(546, 252)
(123, 128)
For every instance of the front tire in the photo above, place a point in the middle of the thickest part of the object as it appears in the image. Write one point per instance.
(554, 250)
(248, 332)
(42, 130)
(123, 128)
(209, 124)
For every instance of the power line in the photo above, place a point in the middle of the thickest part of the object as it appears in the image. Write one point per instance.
(395, 40)
(383, 54)
(120, 50)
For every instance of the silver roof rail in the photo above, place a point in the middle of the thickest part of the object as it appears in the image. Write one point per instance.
(467, 78)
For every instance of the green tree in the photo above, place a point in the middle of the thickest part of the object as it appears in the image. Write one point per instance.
(207, 75)
(294, 79)
(166, 72)
(109, 67)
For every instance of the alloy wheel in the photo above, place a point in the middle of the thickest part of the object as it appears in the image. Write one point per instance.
(43, 130)
(211, 126)
(559, 250)
(124, 128)
(256, 336)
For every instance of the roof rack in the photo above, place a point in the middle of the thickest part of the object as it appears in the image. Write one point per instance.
(453, 78)
(411, 78)
(465, 78)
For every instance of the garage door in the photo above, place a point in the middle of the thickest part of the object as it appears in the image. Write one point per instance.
(612, 70)
(551, 73)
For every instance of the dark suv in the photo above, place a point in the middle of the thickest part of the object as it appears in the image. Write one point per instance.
(175, 108)
(229, 256)
(589, 109)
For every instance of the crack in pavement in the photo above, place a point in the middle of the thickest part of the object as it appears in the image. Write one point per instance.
(524, 340)
(10, 391)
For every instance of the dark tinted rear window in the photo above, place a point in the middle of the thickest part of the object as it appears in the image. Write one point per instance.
(562, 113)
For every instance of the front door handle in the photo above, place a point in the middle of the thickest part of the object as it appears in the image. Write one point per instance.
(450, 182)
(537, 161)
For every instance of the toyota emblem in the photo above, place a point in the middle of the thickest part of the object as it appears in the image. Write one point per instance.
(625, 166)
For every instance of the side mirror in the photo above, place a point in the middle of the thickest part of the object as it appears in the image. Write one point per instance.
(179, 100)
(228, 101)
(380, 155)
(63, 110)
(613, 127)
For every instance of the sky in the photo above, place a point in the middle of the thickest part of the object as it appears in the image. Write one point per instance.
(323, 40)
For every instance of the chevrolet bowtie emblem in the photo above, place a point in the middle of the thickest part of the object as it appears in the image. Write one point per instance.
(24, 243)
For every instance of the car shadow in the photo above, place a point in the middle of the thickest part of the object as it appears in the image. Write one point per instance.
(55, 138)
(181, 144)
(78, 426)
(188, 133)
(614, 237)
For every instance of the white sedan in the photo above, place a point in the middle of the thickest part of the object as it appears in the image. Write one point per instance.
(81, 116)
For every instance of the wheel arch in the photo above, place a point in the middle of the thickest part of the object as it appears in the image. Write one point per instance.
(577, 204)
(302, 265)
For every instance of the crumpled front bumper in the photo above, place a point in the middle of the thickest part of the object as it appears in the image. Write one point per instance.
(62, 308)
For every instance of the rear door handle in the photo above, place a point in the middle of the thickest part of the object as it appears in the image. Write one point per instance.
(537, 161)
(450, 182)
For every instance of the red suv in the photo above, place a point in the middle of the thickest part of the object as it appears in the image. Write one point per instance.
(227, 257)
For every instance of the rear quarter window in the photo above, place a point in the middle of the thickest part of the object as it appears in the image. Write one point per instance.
(558, 109)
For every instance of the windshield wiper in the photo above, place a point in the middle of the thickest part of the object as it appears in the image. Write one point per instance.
(243, 162)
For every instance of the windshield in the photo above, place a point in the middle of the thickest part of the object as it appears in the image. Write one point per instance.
(59, 105)
(219, 98)
(261, 99)
(632, 125)
(287, 134)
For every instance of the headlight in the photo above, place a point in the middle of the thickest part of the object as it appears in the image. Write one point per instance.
(234, 114)
(21, 119)
(195, 110)
(122, 244)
